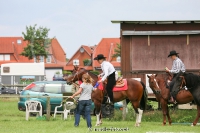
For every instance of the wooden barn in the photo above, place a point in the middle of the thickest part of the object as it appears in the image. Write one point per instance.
(145, 46)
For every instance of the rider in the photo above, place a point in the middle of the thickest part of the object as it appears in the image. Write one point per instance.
(177, 66)
(108, 73)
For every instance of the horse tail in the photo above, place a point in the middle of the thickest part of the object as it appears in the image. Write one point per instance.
(144, 98)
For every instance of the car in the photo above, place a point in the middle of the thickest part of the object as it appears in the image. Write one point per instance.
(58, 77)
(6, 90)
(37, 91)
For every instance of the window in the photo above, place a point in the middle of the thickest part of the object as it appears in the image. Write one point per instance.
(1, 57)
(75, 62)
(53, 88)
(41, 58)
(19, 41)
(48, 60)
(5, 57)
(34, 59)
(118, 59)
(67, 88)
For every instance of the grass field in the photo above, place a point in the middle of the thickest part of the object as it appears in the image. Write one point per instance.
(13, 121)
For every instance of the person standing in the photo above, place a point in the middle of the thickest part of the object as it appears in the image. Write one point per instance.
(108, 73)
(84, 103)
(177, 66)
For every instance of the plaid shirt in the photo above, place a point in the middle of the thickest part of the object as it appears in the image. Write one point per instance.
(177, 66)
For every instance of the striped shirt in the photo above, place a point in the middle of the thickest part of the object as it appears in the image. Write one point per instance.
(107, 69)
(177, 66)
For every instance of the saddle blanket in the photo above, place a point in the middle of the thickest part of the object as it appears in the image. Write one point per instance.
(116, 88)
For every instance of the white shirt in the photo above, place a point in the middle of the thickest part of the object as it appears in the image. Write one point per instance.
(107, 69)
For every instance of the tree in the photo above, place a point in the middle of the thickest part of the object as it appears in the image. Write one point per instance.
(38, 42)
(117, 51)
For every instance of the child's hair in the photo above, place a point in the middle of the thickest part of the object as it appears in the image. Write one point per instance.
(87, 78)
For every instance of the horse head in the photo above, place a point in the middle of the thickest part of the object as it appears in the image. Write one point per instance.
(75, 76)
(153, 83)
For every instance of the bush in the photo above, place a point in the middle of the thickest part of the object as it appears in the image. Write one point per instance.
(66, 72)
(95, 72)
(87, 62)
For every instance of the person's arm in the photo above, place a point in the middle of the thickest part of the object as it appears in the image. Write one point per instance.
(105, 69)
(176, 67)
(77, 93)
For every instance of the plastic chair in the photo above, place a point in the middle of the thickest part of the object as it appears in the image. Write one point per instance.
(33, 107)
(65, 111)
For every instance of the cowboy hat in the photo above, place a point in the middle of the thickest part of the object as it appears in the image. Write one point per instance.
(99, 57)
(173, 52)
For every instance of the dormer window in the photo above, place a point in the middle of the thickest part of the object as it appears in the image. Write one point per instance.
(19, 41)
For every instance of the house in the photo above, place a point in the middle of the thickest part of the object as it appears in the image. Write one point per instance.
(146, 44)
(82, 57)
(86, 53)
(106, 47)
(11, 47)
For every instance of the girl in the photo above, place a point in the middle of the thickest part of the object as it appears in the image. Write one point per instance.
(85, 101)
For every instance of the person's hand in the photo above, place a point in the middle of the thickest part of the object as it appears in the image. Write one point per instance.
(99, 81)
(99, 76)
(166, 69)
(71, 97)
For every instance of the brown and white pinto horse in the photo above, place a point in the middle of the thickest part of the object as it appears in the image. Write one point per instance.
(158, 86)
(136, 94)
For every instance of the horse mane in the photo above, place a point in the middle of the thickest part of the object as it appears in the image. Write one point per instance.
(192, 80)
(161, 81)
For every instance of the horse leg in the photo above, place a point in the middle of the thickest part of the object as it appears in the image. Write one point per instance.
(98, 114)
(140, 115)
(135, 106)
(165, 111)
(197, 118)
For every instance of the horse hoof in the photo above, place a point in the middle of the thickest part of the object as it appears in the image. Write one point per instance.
(137, 124)
(98, 124)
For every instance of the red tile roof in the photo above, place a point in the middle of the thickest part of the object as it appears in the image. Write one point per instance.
(106, 47)
(58, 52)
(11, 46)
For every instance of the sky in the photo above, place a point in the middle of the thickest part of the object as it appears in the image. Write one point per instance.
(86, 22)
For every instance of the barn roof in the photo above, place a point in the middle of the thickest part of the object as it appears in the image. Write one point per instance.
(156, 21)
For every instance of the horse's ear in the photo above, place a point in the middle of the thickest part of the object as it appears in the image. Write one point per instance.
(148, 76)
(156, 75)
(75, 68)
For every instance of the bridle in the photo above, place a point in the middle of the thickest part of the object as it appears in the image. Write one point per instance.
(155, 90)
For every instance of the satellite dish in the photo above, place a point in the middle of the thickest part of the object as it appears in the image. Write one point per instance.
(81, 50)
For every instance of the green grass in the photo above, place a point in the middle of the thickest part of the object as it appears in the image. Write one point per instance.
(13, 121)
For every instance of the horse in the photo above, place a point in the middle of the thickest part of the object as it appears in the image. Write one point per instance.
(162, 93)
(136, 94)
(192, 82)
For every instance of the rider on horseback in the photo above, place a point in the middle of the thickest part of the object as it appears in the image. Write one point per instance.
(177, 66)
(108, 73)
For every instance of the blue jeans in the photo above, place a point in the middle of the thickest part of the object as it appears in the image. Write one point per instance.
(83, 106)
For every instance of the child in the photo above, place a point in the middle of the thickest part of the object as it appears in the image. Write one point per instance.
(85, 101)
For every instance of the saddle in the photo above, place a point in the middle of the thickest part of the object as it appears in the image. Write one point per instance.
(119, 83)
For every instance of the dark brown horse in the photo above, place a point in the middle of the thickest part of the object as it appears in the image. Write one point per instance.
(192, 82)
(158, 86)
(135, 93)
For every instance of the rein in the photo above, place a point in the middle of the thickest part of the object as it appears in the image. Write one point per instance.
(183, 82)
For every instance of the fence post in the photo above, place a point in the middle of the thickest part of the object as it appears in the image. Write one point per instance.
(124, 110)
(48, 109)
